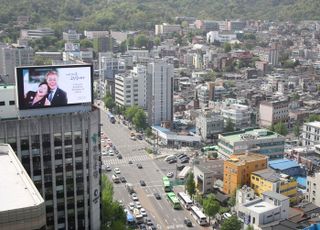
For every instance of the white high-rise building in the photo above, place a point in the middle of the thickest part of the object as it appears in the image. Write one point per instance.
(11, 57)
(131, 87)
(159, 92)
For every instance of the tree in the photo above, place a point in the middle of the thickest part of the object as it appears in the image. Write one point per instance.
(296, 130)
(190, 185)
(313, 117)
(231, 224)
(280, 128)
(86, 43)
(295, 96)
(141, 41)
(148, 132)
(229, 126)
(211, 206)
(250, 227)
(227, 47)
(109, 102)
(130, 41)
(139, 119)
(131, 111)
(157, 41)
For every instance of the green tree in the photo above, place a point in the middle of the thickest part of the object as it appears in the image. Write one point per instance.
(139, 119)
(141, 41)
(190, 185)
(157, 41)
(86, 43)
(131, 111)
(130, 41)
(211, 206)
(296, 130)
(109, 101)
(313, 117)
(227, 47)
(295, 96)
(148, 132)
(280, 128)
(250, 227)
(229, 126)
(231, 224)
(198, 198)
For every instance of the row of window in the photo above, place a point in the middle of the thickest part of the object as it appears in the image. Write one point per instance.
(3, 103)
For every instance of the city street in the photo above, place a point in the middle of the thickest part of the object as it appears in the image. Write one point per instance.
(159, 211)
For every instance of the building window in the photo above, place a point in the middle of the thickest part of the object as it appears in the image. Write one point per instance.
(2, 103)
(12, 102)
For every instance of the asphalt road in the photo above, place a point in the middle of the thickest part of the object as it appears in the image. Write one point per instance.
(159, 211)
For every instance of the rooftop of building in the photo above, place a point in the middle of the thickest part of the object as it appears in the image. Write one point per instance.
(242, 159)
(271, 175)
(17, 190)
(261, 207)
(249, 134)
(275, 195)
(283, 164)
(314, 124)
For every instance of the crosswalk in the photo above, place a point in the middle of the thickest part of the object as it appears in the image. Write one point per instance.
(177, 226)
(115, 161)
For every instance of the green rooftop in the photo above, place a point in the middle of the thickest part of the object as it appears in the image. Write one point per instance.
(249, 134)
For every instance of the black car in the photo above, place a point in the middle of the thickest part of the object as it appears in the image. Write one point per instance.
(187, 222)
(139, 166)
(119, 156)
(148, 221)
(180, 167)
(139, 137)
(142, 183)
(157, 196)
(180, 156)
(142, 226)
(129, 162)
(123, 179)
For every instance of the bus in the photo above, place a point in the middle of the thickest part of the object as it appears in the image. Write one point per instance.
(210, 148)
(173, 200)
(185, 200)
(166, 184)
(111, 118)
(131, 221)
(198, 215)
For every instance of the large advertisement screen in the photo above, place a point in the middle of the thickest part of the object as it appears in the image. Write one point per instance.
(54, 86)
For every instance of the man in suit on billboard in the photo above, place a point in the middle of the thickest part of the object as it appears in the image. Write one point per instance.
(56, 96)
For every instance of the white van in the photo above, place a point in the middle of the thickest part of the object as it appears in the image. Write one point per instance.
(170, 157)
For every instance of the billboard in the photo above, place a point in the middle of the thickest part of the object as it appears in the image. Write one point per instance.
(54, 86)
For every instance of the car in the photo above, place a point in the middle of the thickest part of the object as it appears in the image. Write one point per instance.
(130, 162)
(226, 215)
(115, 179)
(184, 160)
(131, 206)
(117, 170)
(108, 168)
(142, 226)
(102, 141)
(185, 157)
(172, 161)
(104, 153)
(180, 167)
(119, 156)
(123, 179)
(187, 222)
(157, 196)
(152, 227)
(148, 221)
(182, 155)
(139, 137)
(133, 138)
(139, 166)
(143, 212)
(170, 174)
(116, 151)
(137, 205)
(134, 197)
(111, 153)
(142, 183)
(121, 203)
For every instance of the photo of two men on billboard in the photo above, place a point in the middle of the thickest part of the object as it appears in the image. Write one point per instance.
(47, 94)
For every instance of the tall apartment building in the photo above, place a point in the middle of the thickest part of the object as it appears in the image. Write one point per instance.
(236, 25)
(11, 57)
(159, 92)
(71, 36)
(131, 87)
(270, 180)
(313, 183)
(209, 124)
(60, 152)
(166, 29)
(21, 205)
(272, 112)
(206, 92)
(311, 133)
(274, 54)
(36, 33)
(237, 170)
(260, 141)
(103, 44)
(239, 115)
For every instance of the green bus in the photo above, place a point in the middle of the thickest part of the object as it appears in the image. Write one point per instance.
(173, 200)
(210, 148)
(166, 184)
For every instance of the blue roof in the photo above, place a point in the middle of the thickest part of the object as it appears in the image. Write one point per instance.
(302, 181)
(283, 164)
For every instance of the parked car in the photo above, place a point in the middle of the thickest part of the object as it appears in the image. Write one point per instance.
(129, 162)
(157, 196)
(123, 179)
(184, 160)
(108, 168)
(139, 166)
(180, 167)
(131, 206)
(119, 156)
(143, 212)
(148, 221)
(142, 183)
(138, 205)
(111, 153)
(182, 155)
(172, 161)
(134, 197)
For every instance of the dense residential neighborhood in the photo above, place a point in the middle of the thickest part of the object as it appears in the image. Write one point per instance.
(196, 123)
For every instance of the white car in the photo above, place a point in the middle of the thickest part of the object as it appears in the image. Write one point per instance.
(131, 206)
(117, 171)
(143, 212)
(134, 197)
(170, 174)
(111, 153)
(138, 205)
(108, 168)
(104, 153)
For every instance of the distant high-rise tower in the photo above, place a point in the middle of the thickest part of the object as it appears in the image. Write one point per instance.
(160, 92)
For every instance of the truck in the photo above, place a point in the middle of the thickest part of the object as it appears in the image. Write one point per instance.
(130, 188)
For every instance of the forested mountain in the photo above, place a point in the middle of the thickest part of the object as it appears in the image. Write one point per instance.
(143, 14)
